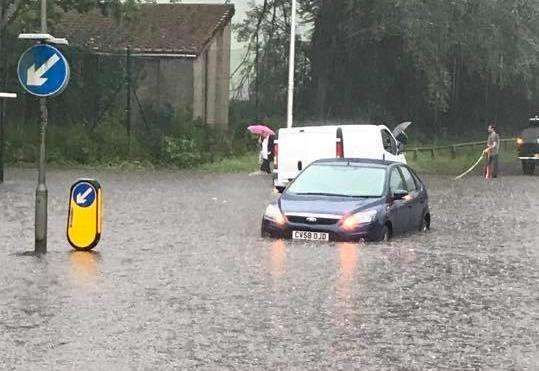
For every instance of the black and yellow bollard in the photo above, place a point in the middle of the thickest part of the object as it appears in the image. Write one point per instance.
(84, 217)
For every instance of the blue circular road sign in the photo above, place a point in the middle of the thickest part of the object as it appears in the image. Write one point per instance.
(43, 71)
(84, 194)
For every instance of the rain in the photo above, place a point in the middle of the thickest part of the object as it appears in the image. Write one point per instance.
(143, 245)
(181, 279)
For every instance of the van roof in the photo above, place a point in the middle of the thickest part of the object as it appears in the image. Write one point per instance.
(355, 161)
(333, 127)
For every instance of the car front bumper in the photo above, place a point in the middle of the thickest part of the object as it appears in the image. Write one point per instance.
(370, 232)
(528, 151)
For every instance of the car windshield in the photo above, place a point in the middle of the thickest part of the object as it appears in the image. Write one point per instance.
(340, 180)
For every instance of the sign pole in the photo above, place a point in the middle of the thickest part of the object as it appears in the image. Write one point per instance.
(128, 96)
(41, 191)
(3, 47)
(3, 96)
(2, 138)
(291, 67)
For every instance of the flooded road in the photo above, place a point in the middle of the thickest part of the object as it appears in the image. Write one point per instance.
(182, 279)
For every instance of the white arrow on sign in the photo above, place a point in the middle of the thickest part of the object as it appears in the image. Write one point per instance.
(34, 77)
(81, 197)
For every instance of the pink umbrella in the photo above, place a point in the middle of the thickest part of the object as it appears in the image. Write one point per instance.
(261, 130)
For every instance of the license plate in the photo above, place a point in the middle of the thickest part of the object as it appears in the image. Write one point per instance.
(310, 236)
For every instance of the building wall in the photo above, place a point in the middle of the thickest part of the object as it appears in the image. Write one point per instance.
(199, 88)
(223, 98)
(201, 85)
(212, 80)
(164, 83)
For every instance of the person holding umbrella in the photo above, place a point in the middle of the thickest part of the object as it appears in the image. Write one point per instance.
(265, 138)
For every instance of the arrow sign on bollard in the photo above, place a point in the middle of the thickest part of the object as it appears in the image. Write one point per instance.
(81, 197)
(43, 71)
(84, 194)
(84, 218)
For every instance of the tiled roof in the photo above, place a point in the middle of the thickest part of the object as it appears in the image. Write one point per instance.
(153, 28)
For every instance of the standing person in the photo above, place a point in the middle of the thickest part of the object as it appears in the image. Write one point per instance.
(265, 152)
(492, 150)
(266, 141)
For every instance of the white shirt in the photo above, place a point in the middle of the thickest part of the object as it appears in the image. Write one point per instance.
(264, 151)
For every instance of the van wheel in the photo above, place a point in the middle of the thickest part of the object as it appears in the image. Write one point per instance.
(386, 234)
(425, 224)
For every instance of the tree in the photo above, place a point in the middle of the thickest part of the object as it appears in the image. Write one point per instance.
(443, 64)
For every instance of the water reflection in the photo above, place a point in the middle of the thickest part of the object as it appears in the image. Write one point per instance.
(277, 259)
(348, 257)
(346, 283)
(85, 265)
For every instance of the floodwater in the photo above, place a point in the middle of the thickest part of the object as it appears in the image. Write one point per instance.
(181, 279)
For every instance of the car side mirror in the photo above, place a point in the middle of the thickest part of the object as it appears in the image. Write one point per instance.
(280, 189)
(399, 194)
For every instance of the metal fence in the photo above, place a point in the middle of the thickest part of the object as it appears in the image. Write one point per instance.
(453, 149)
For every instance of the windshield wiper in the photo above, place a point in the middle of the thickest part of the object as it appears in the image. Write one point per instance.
(326, 194)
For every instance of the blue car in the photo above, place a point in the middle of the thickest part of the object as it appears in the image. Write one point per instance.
(349, 200)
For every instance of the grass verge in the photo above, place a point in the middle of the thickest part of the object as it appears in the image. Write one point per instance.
(239, 164)
(444, 164)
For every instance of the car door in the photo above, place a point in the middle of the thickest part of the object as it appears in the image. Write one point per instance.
(415, 201)
(399, 213)
(390, 146)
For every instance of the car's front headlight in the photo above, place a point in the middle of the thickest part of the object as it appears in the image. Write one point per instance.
(520, 141)
(274, 214)
(355, 220)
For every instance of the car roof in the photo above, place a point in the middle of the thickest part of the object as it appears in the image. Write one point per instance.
(361, 127)
(355, 161)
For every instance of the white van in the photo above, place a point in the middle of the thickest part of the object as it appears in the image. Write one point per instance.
(296, 148)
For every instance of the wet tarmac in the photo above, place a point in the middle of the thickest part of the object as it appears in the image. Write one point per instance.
(181, 279)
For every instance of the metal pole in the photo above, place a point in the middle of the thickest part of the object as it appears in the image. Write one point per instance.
(291, 67)
(3, 104)
(128, 94)
(2, 139)
(44, 16)
(41, 191)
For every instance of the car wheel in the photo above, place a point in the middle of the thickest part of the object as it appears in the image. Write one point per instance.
(528, 167)
(531, 167)
(525, 167)
(263, 233)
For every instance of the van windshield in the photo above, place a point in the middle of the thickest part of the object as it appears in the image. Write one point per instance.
(340, 180)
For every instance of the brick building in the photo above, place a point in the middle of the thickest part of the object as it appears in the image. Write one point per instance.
(181, 52)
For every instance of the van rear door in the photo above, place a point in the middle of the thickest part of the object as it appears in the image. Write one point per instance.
(362, 141)
(299, 147)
